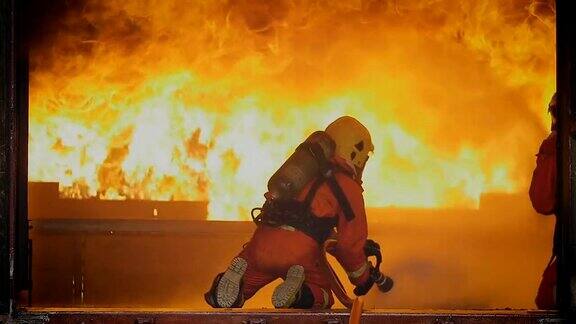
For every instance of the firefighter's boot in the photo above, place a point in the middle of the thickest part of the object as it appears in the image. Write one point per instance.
(226, 290)
(293, 293)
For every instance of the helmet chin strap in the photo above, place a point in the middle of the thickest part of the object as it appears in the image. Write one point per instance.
(352, 166)
(358, 171)
(358, 174)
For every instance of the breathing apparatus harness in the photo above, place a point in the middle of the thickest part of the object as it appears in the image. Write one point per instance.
(298, 214)
(283, 211)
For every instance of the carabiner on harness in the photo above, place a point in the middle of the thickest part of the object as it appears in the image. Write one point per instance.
(258, 218)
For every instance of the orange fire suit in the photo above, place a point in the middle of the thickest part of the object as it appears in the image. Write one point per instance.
(273, 250)
(543, 197)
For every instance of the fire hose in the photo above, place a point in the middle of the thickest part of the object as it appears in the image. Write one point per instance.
(383, 282)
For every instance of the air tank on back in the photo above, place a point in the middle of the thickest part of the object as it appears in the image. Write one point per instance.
(300, 168)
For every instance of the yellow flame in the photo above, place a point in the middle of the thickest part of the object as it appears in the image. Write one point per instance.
(178, 100)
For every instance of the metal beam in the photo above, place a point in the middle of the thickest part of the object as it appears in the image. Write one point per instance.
(566, 92)
(6, 106)
(19, 158)
(13, 154)
(271, 316)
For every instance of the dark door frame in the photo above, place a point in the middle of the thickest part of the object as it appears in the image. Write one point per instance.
(566, 215)
(14, 247)
(5, 96)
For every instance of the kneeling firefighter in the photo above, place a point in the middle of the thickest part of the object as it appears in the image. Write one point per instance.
(315, 191)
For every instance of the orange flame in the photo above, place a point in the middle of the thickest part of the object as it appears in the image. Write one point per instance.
(203, 100)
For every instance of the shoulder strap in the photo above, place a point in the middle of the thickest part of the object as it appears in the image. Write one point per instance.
(312, 192)
(341, 197)
(327, 172)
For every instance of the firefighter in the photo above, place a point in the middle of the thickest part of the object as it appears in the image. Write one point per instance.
(543, 197)
(287, 242)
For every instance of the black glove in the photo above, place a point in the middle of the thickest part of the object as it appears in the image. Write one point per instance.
(371, 248)
(363, 289)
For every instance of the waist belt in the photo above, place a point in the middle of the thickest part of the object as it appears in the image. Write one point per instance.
(318, 228)
(296, 214)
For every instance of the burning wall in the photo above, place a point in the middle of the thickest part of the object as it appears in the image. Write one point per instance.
(203, 100)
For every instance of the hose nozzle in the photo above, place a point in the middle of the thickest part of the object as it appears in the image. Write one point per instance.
(384, 282)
